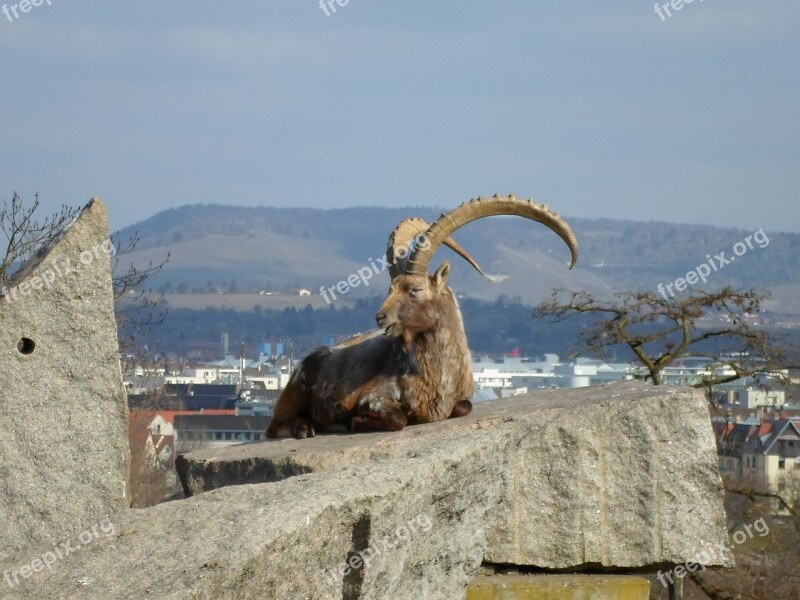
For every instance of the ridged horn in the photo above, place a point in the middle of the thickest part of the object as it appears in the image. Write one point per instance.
(399, 248)
(481, 207)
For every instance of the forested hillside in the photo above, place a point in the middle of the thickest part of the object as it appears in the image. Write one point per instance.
(281, 249)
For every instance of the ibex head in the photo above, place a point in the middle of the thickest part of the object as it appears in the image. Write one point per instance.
(414, 304)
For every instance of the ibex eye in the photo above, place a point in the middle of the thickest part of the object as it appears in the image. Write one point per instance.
(417, 290)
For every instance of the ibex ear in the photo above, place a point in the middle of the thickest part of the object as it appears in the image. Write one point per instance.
(441, 275)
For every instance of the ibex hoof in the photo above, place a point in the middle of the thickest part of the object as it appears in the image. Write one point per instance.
(461, 409)
(302, 429)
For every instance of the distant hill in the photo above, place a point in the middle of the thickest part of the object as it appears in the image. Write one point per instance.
(279, 249)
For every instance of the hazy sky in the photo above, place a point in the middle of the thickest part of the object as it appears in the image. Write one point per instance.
(597, 108)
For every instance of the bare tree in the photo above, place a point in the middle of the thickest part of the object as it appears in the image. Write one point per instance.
(152, 481)
(25, 233)
(658, 330)
(136, 305)
(147, 475)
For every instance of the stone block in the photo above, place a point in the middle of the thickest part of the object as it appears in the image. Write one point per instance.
(413, 514)
(620, 475)
(418, 528)
(64, 456)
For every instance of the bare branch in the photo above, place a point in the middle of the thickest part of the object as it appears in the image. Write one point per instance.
(25, 234)
(136, 305)
(660, 330)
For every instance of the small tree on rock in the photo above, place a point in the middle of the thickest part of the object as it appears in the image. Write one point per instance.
(716, 325)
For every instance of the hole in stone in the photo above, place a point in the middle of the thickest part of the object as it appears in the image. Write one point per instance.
(26, 345)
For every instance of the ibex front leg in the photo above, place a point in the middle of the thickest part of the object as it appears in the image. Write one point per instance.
(379, 411)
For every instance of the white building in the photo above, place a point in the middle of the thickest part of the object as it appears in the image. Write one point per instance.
(516, 373)
(753, 398)
(201, 375)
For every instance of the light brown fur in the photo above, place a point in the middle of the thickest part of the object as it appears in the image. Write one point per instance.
(417, 367)
(418, 371)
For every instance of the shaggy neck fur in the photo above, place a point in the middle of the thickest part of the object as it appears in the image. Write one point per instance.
(445, 363)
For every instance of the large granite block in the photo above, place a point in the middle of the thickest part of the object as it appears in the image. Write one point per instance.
(616, 476)
(620, 475)
(64, 456)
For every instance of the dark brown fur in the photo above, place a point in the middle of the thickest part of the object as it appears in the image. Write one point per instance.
(418, 371)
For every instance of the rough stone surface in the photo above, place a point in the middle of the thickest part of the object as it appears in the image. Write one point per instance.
(425, 505)
(64, 455)
(622, 475)
(283, 540)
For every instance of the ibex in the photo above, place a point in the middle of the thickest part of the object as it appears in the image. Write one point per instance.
(416, 368)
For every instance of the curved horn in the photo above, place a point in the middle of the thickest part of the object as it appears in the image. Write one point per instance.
(477, 208)
(399, 248)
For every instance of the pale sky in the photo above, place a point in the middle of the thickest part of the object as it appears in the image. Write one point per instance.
(600, 109)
